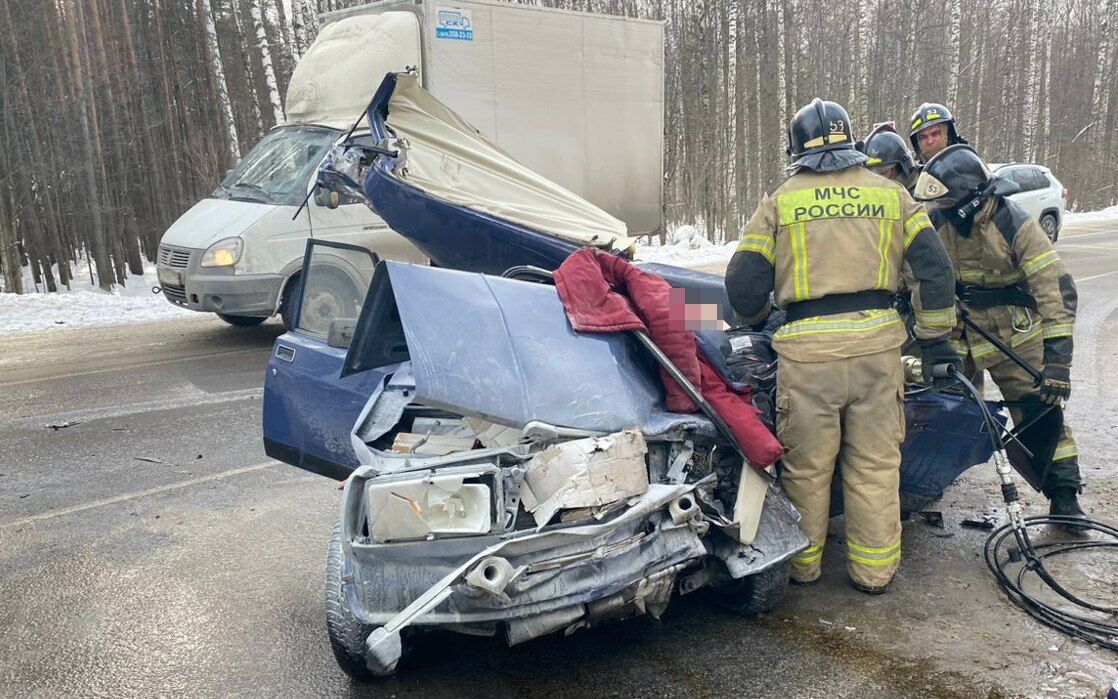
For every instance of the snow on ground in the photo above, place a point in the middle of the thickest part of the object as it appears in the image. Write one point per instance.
(686, 247)
(1108, 214)
(85, 304)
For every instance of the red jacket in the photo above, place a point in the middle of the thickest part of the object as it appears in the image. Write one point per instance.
(605, 294)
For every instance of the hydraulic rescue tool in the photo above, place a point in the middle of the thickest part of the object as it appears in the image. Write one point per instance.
(1011, 543)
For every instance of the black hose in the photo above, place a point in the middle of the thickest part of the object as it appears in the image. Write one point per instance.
(1001, 550)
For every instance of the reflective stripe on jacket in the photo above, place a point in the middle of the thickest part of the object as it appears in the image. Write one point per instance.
(1006, 247)
(841, 232)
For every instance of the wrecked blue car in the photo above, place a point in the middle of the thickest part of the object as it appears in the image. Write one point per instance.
(504, 474)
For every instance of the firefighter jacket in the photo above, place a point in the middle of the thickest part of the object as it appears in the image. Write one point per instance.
(1005, 248)
(838, 233)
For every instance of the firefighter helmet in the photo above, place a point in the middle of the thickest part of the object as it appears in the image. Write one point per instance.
(930, 114)
(884, 146)
(955, 179)
(817, 127)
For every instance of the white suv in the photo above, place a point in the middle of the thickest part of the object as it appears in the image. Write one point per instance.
(1041, 196)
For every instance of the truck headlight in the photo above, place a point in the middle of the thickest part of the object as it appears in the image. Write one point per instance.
(451, 505)
(224, 253)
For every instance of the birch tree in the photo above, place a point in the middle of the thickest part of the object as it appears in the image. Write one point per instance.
(219, 78)
(266, 61)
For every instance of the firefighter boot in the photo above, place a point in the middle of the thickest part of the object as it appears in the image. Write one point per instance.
(1065, 503)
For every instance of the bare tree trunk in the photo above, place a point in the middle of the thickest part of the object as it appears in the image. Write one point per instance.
(956, 12)
(266, 61)
(253, 95)
(98, 245)
(219, 78)
(1102, 68)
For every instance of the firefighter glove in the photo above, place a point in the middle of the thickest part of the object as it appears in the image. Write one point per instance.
(935, 352)
(1055, 384)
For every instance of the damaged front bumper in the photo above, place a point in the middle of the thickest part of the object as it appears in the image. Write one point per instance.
(564, 576)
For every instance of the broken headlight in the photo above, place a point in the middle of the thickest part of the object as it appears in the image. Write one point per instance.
(434, 505)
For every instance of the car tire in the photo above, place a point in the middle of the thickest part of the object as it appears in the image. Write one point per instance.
(755, 594)
(347, 634)
(241, 321)
(288, 302)
(1051, 226)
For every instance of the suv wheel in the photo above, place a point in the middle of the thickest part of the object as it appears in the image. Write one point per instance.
(1050, 226)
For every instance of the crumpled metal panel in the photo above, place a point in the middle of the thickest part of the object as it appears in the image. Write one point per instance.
(778, 538)
(502, 350)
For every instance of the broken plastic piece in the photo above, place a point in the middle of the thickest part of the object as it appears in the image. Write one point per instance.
(585, 473)
(383, 649)
(493, 575)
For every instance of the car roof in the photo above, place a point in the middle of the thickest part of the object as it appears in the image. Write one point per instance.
(994, 167)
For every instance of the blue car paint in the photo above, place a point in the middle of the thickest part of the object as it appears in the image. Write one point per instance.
(309, 408)
(452, 236)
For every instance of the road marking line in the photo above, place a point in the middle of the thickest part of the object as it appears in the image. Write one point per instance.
(141, 494)
(116, 411)
(1096, 276)
(130, 367)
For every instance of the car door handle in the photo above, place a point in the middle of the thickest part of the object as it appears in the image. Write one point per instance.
(285, 353)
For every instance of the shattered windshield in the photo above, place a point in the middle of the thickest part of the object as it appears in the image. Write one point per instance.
(278, 169)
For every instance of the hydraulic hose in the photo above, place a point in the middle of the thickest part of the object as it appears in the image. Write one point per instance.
(1011, 543)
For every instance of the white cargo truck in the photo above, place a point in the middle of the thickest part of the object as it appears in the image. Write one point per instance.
(574, 96)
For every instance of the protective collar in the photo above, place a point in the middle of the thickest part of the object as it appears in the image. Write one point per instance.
(828, 161)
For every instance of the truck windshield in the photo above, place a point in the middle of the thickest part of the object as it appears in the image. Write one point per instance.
(278, 169)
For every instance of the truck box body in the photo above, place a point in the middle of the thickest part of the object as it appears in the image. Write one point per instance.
(576, 97)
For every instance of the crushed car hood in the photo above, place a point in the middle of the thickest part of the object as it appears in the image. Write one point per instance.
(502, 350)
(461, 199)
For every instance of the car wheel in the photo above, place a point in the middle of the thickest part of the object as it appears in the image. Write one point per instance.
(1050, 226)
(241, 321)
(347, 634)
(288, 302)
(755, 594)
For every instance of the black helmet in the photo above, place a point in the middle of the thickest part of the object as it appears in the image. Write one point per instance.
(956, 179)
(817, 127)
(884, 146)
(930, 114)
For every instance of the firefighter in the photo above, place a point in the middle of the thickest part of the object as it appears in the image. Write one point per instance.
(831, 243)
(932, 130)
(888, 156)
(1017, 289)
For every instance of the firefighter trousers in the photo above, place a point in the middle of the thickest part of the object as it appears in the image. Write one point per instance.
(848, 412)
(1016, 384)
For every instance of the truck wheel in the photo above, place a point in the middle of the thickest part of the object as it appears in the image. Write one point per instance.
(1051, 228)
(329, 296)
(347, 634)
(755, 594)
(288, 301)
(241, 321)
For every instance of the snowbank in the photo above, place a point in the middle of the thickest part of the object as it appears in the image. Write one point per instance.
(686, 247)
(84, 304)
(1108, 214)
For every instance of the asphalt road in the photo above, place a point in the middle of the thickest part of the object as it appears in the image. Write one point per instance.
(147, 546)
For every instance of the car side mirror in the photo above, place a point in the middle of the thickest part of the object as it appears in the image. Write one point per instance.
(341, 331)
(327, 197)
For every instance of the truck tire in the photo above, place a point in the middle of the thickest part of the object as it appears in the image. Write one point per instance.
(1051, 226)
(241, 321)
(755, 594)
(288, 301)
(347, 634)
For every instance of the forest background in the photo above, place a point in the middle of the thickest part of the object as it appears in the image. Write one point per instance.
(118, 115)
